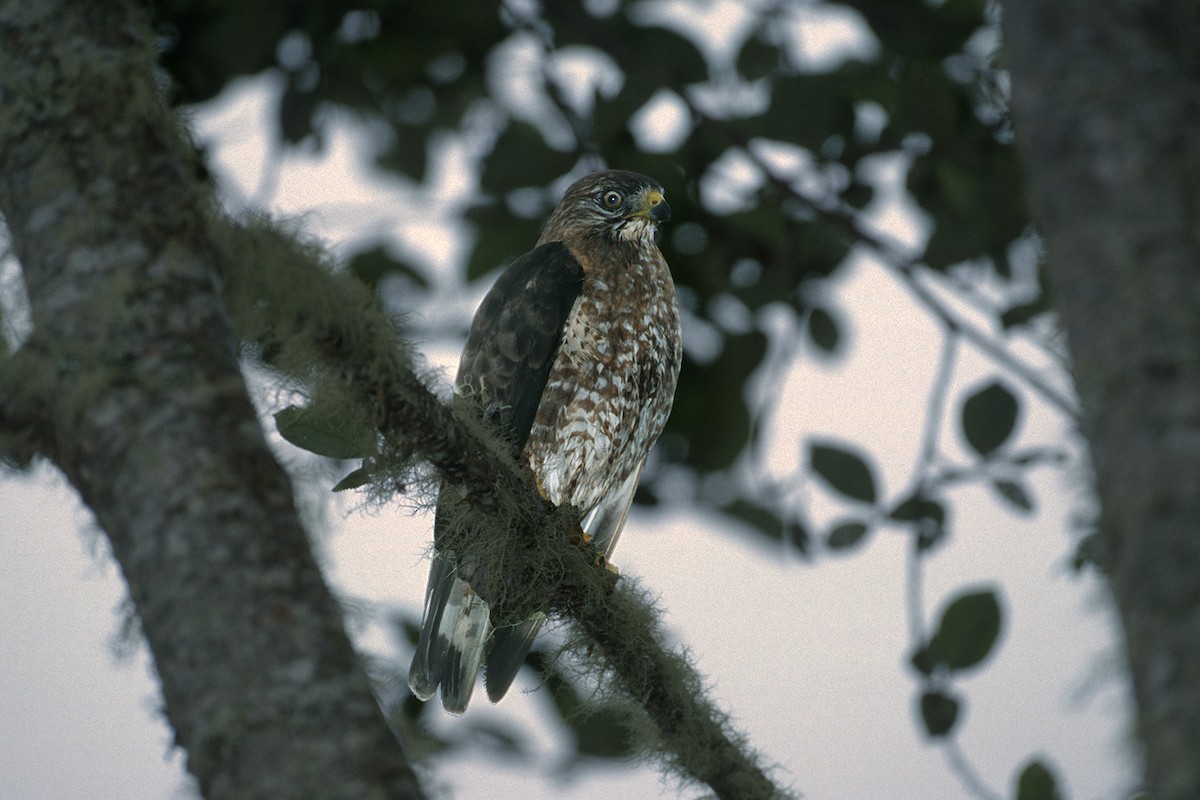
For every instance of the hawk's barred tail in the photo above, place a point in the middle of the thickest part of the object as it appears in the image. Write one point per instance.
(454, 628)
(509, 646)
(425, 673)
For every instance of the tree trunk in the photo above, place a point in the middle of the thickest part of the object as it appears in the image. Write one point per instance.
(1106, 100)
(130, 384)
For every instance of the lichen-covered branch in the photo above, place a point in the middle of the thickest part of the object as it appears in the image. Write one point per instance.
(1106, 99)
(130, 385)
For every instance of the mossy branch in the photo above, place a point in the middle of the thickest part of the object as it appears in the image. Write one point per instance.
(326, 329)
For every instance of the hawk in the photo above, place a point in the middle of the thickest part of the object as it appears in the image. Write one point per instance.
(574, 354)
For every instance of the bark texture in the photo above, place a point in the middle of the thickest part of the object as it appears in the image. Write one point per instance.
(130, 385)
(1106, 100)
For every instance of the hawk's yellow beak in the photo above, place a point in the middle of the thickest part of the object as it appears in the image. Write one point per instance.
(654, 207)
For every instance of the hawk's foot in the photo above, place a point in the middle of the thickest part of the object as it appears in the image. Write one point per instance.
(585, 542)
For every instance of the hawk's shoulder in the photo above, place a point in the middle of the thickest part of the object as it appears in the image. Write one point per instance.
(516, 334)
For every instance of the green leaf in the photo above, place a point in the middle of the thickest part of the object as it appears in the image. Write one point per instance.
(795, 534)
(1022, 313)
(844, 471)
(322, 433)
(757, 516)
(768, 523)
(521, 157)
(1015, 494)
(858, 195)
(374, 264)
(713, 391)
(1037, 782)
(296, 110)
(676, 59)
(758, 58)
(501, 238)
(357, 478)
(823, 330)
(406, 153)
(988, 418)
(969, 184)
(967, 631)
(920, 31)
(846, 535)
(406, 627)
(601, 731)
(922, 662)
(828, 108)
(917, 507)
(939, 712)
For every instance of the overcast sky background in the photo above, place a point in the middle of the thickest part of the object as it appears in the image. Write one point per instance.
(810, 658)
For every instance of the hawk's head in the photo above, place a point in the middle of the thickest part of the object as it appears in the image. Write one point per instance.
(615, 204)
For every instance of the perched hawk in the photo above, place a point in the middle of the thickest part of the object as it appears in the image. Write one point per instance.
(574, 354)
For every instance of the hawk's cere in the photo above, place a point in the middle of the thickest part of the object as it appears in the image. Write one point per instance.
(574, 353)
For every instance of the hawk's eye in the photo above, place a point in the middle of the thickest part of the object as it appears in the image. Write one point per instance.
(612, 199)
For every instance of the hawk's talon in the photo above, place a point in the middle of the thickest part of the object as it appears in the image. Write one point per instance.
(585, 542)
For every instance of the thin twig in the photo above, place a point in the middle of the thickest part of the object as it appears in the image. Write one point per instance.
(966, 773)
(908, 270)
(997, 351)
(918, 635)
(937, 402)
(933, 427)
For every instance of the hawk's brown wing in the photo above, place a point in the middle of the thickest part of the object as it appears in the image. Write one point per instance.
(512, 344)
(515, 337)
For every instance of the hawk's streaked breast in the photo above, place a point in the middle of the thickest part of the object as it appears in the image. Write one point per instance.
(611, 386)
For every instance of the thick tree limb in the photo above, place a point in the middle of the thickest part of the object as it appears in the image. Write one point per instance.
(1106, 98)
(131, 386)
